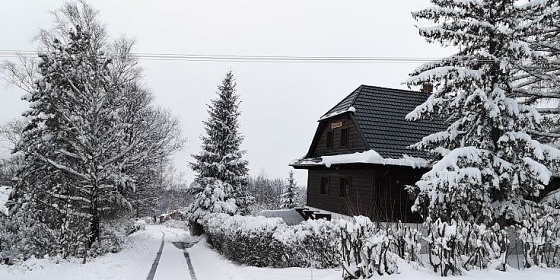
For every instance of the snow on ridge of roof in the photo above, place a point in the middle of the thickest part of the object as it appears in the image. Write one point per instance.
(369, 156)
(336, 113)
(4, 195)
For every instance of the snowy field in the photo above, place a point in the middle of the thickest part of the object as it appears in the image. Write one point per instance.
(136, 260)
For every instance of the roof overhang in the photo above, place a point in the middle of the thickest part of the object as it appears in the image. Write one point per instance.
(369, 157)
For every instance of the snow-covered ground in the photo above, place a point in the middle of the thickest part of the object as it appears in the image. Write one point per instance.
(136, 260)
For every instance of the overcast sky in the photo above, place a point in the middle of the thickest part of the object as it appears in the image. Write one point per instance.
(281, 102)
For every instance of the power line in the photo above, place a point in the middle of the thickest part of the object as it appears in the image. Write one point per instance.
(249, 58)
(264, 58)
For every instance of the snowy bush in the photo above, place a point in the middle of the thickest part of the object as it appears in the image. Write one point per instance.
(540, 238)
(365, 249)
(459, 245)
(269, 242)
(247, 240)
(112, 237)
(312, 243)
(407, 242)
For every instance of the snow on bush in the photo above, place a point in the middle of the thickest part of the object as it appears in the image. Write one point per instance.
(539, 235)
(269, 242)
(311, 243)
(112, 237)
(366, 249)
(246, 240)
(457, 245)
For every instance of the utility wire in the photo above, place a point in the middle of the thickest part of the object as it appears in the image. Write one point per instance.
(249, 58)
(260, 58)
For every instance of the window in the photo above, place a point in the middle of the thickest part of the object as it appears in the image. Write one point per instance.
(344, 137)
(330, 139)
(324, 185)
(344, 187)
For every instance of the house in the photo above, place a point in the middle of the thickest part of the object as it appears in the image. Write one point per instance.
(359, 161)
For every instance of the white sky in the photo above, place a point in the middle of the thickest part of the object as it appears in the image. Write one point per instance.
(281, 102)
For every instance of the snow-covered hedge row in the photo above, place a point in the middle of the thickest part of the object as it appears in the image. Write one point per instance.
(365, 249)
(269, 242)
(368, 249)
(539, 236)
(460, 245)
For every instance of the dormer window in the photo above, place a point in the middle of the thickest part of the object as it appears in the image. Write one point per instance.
(344, 137)
(330, 139)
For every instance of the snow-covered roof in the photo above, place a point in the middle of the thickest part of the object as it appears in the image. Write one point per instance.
(290, 216)
(336, 113)
(380, 116)
(4, 195)
(369, 157)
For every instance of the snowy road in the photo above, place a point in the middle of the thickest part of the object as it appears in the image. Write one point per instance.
(173, 263)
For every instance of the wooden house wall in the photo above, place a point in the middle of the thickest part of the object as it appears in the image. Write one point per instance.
(355, 141)
(376, 191)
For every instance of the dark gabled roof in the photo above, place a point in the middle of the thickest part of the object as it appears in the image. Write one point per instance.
(380, 116)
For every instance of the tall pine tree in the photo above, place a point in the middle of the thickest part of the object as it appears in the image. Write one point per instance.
(491, 166)
(221, 180)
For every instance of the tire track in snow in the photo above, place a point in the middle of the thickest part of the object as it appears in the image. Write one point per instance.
(189, 263)
(156, 261)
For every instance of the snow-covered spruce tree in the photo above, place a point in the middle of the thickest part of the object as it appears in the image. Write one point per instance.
(490, 165)
(221, 180)
(289, 193)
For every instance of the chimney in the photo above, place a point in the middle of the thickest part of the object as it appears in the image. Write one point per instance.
(427, 88)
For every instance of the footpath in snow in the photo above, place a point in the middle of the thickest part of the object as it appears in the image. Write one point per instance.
(138, 260)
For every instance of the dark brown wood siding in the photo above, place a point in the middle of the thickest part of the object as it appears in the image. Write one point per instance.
(376, 191)
(355, 141)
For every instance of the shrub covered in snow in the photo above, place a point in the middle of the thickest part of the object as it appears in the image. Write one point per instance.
(459, 245)
(539, 236)
(247, 240)
(366, 249)
(112, 237)
(269, 242)
(311, 243)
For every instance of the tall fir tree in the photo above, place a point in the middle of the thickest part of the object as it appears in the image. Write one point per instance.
(221, 180)
(491, 166)
(289, 194)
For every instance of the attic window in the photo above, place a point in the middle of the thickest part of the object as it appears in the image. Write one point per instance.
(330, 139)
(344, 137)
